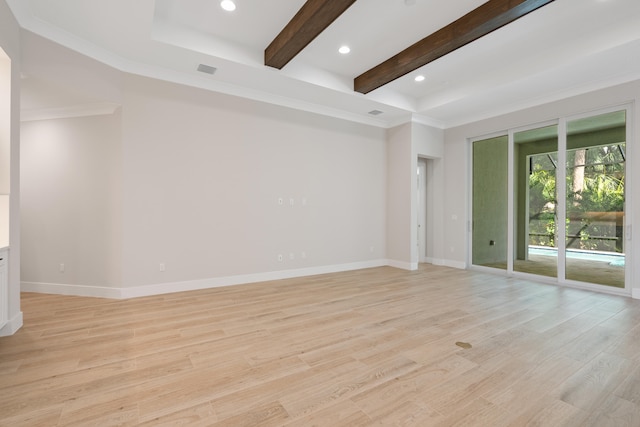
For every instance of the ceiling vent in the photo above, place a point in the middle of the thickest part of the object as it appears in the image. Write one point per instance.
(375, 112)
(207, 69)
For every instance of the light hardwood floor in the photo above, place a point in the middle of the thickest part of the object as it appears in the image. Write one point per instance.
(372, 347)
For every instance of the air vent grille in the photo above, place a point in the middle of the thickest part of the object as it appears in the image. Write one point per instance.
(208, 69)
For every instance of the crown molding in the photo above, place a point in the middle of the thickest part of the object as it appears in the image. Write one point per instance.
(98, 109)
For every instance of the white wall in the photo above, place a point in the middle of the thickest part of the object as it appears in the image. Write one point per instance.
(71, 201)
(5, 125)
(427, 142)
(5, 146)
(399, 196)
(4, 220)
(203, 174)
(61, 80)
(10, 43)
(192, 179)
(456, 149)
(405, 145)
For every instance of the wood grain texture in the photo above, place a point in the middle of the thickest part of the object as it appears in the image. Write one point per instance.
(481, 21)
(312, 19)
(371, 347)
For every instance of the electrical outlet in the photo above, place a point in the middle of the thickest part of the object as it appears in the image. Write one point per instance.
(162, 267)
(280, 257)
(61, 268)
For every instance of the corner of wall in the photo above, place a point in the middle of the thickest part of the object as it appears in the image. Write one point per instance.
(410, 266)
(12, 326)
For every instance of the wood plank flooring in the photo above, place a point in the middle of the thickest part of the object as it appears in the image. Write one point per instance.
(371, 347)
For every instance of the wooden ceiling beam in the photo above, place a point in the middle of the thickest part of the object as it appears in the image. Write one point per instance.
(312, 18)
(477, 23)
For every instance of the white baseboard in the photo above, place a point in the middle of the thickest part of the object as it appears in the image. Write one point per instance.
(192, 285)
(411, 266)
(12, 326)
(447, 263)
(75, 290)
(455, 264)
(635, 293)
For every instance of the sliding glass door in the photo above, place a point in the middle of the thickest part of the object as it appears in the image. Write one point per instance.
(536, 201)
(573, 232)
(490, 202)
(595, 199)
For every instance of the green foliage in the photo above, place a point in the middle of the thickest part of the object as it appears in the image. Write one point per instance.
(542, 192)
(603, 191)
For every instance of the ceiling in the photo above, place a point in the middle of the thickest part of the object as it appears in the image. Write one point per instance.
(565, 48)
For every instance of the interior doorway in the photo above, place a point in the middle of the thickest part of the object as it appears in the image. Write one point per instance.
(425, 252)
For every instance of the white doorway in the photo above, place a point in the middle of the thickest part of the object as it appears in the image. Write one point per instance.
(423, 193)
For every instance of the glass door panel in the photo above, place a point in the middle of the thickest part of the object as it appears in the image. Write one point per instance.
(596, 158)
(535, 198)
(490, 202)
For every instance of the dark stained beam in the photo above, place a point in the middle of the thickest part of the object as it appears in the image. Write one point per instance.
(312, 18)
(475, 24)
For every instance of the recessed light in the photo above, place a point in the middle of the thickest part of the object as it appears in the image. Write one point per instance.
(419, 78)
(228, 5)
(344, 49)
